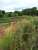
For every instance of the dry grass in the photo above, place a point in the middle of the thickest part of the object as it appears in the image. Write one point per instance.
(10, 28)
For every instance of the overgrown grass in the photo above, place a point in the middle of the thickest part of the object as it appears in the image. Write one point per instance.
(25, 35)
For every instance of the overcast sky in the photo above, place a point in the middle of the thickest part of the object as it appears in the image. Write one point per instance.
(9, 5)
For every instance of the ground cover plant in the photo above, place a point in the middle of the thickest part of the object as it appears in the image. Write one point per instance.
(19, 34)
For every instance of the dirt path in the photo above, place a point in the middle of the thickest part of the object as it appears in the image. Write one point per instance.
(12, 27)
(9, 29)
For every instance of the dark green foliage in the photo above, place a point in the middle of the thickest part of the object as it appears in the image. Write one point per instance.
(3, 12)
(18, 13)
(10, 14)
(35, 47)
(25, 37)
(27, 29)
(29, 11)
(1, 15)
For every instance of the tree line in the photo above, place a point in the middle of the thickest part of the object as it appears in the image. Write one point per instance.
(29, 11)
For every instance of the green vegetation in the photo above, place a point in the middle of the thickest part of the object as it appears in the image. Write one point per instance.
(29, 11)
(25, 38)
(26, 35)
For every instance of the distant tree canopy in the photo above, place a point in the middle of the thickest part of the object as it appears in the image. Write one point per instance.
(10, 14)
(29, 11)
(2, 13)
(18, 13)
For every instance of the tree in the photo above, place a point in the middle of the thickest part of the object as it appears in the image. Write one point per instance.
(34, 11)
(1, 15)
(10, 14)
(30, 11)
(18, 13)
(3, 12)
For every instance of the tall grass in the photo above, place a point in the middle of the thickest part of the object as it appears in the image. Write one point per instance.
(24, 37)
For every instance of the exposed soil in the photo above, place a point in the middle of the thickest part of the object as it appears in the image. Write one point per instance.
(10, 28)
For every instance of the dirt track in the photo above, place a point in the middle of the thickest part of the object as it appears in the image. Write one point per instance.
(10, 28)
